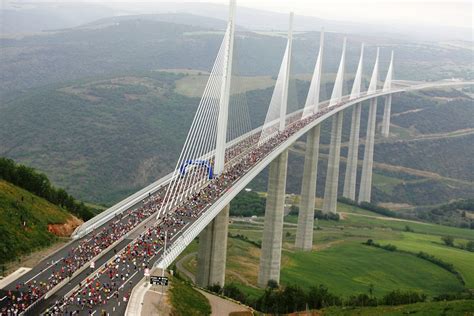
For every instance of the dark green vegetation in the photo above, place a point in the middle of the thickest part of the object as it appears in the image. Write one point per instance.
(24, 220)
(247, 204)
(292, 298)
(449, 308)
(186, 300)
(37, 183)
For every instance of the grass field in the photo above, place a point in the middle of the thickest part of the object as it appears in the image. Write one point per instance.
(341, 262)
(453, 308)
(186, 300)
(24, 220)
(350, 267)
(462, 260)
(193, 85)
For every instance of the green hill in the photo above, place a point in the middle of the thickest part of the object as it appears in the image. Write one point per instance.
(25, 222)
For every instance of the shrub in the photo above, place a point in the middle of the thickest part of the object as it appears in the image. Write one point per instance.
(448, 241)
(398, 297)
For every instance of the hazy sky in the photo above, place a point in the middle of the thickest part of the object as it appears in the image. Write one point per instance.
(439, 12)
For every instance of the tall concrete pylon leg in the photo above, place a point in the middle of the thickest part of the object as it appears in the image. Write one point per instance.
(365, 190)
(386, 116)
(350, 178)
(212, 251)
(388, 100)
(304, 232)
(270, 258)
(332, 175)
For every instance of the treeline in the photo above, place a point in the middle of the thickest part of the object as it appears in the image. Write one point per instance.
(37, 183)
(292, 298)
(318, 214)
(247, 204)
(451, 214)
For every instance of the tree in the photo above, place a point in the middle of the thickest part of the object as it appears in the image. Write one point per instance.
(448, 241)
(272, 284)
(470, 246)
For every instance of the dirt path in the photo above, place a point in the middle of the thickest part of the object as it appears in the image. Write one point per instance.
(385, 218)
(223, 307)
(183, 270)
(242, 279)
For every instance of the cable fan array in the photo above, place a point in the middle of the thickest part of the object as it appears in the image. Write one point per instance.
(194, 168)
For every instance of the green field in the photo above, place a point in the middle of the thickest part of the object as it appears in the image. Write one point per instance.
(462, 260)
(350, 268)
(186, 300)
(453, 308)
(345, 265)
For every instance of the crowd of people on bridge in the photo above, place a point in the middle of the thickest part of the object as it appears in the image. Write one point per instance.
(114, 280)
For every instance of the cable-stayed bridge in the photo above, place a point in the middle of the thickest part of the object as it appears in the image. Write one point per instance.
(111, 253)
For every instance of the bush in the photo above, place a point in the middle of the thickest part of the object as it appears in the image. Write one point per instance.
(232, 291)
(361, 300)
(326, 216)
(398, 297)
(246, 239)
(388, 247)
(448, 241)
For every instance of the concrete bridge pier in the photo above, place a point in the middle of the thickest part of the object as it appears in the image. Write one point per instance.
(367, 165)
(270, 258)
(386, 116)
(352, 155)
(212, 251)
(304, 233)
(332, 175)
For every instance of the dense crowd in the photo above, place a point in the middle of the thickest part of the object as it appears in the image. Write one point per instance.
(110, 280)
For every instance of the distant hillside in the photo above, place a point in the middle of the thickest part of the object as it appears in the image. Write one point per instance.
(104, 138)
(140, 43)
(29, 223)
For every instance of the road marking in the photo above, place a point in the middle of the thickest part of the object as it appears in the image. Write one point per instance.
(46, 269)
(127, 280)
(181, 231)
(3, 298)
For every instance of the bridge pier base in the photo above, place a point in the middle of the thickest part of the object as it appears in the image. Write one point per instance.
(386, 116)
(332, 175)
(365, 190)
(304, 232)
(350, 178)
(270, 258)
(212, 251)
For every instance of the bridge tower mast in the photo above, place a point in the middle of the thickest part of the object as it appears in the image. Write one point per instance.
(387, 86)
(304, 232)
(270, 258)
(353, 153)
(332, 174)
(365, 189)
(284, 93)
(222, 120)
